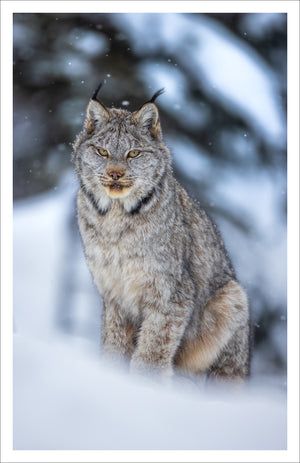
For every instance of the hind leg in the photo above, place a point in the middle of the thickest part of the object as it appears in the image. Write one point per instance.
(233, 361)
(222, 345)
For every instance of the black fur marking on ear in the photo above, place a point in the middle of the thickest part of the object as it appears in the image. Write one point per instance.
(156, 95)
(89, 195)
(145, 200)
(94, 97)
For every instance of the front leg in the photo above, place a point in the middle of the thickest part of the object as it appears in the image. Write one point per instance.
(117, 331)
(159, 338)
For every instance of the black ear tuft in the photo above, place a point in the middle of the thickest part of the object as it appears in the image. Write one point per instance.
(94, 97)
(156, 95)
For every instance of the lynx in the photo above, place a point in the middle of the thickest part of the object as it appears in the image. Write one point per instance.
(171, 300)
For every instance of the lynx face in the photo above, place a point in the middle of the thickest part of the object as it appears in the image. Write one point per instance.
(120, 155)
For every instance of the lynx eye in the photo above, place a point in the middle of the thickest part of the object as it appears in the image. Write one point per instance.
(133, 153)
(103, 152)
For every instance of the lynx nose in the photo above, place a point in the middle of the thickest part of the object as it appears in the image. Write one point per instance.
(116, 174)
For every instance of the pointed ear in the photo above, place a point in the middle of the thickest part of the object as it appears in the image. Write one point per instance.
(147, 117)
(96, 114)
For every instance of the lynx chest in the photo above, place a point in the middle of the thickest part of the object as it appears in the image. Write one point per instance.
(120, 262)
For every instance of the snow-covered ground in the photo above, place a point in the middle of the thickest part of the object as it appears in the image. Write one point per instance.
(66, 398)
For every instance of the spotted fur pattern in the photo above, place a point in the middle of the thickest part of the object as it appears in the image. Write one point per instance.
(171, 298)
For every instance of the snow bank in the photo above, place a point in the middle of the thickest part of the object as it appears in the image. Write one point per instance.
(66, 399)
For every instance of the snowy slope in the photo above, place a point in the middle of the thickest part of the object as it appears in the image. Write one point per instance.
(65, 399)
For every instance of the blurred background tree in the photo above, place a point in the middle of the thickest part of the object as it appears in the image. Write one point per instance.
(223, 115)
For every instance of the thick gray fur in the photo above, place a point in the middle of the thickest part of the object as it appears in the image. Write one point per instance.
(171, 298)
